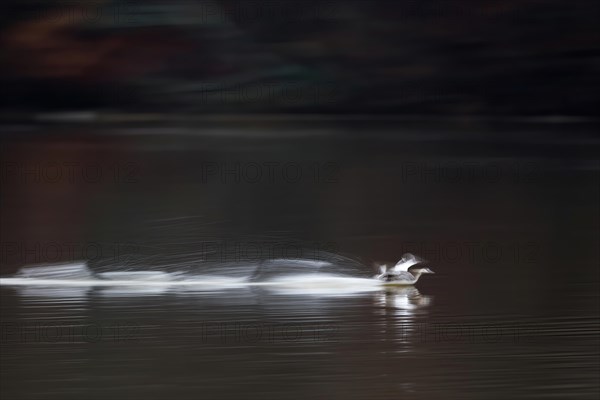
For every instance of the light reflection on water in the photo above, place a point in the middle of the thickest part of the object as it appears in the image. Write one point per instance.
(58, 344)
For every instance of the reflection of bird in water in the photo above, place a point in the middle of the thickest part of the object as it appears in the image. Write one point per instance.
(401, 307)
(405, 272)
(403, 298)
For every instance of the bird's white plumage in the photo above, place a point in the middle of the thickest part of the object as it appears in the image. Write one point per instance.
(407, 261)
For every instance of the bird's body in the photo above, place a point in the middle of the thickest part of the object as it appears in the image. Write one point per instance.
(399, 274)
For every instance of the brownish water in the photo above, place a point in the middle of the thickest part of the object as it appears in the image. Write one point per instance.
(508, 221)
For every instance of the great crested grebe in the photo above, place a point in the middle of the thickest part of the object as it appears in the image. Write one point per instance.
(405, 272)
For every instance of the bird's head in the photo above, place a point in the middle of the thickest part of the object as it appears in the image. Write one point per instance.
(421, 270)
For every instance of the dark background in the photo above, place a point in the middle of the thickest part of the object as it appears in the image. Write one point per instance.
(500, 58)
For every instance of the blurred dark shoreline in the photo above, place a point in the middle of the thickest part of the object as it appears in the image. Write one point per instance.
(497, 58)
(560, 137)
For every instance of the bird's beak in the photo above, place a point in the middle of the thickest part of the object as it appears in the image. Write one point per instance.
(430, 271)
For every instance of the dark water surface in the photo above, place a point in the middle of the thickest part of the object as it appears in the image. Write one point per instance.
(509, 223)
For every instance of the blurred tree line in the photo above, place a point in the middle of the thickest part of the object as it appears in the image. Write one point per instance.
(525, 57)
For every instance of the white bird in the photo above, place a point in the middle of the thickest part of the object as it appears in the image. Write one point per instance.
(399, 274)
